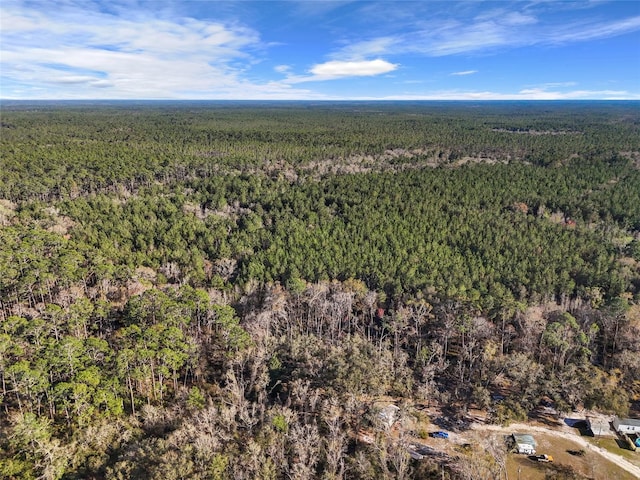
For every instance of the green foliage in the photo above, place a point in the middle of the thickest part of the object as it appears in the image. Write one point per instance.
(219, 466)
(275, 364)
(604, 392)
(280, 423)
(65, 152)
(31, 440)
(634, 250)
(275, 269)
(507, 412)
(233, 336)
(195, 399)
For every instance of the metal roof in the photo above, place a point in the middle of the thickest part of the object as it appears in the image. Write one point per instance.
(524, 439)
(629, 421)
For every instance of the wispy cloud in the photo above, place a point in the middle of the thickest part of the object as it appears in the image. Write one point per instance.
(282, 68)
(548, 85)
(581, 31)
(544, 94)
(369, 48)
(525, 94)
(149, 57)
(443, 34)
(186, 49)
(463, 39)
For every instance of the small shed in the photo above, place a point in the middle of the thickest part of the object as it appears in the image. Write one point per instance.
(524, 443)
(599, 426)
(626, 425)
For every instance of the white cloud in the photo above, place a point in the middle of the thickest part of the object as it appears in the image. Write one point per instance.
(335, 69)
(11, 22)
(77, 52)
(125, 49)
(363, 68)
(464, 72)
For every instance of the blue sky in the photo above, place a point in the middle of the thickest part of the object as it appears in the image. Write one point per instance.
(319, 50)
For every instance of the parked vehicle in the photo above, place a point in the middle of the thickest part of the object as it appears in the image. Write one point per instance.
(439, 434)
(544, 458)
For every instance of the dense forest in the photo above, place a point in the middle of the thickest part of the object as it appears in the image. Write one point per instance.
(227, 290)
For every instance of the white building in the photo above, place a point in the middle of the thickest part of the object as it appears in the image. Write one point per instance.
(599, 426)
(626, 425)
(524, 443)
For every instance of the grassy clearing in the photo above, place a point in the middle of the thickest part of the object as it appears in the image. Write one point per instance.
(612, 445)
(591, 465)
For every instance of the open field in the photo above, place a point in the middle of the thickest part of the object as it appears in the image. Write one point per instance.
(612, 445)
(599, 462)
(602, 459)
(590, 465)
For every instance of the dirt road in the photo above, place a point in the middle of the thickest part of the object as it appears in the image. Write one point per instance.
(617, 459)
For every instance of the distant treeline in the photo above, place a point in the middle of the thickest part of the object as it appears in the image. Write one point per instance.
(52, 152)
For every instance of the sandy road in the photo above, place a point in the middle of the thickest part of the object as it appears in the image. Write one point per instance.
(617, 459)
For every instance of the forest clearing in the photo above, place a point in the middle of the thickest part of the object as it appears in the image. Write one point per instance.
(573, 449)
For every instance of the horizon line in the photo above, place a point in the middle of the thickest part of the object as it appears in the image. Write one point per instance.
(361, 100)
